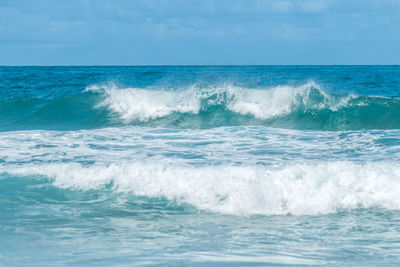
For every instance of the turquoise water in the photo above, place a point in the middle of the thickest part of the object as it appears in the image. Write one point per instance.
(203, 166)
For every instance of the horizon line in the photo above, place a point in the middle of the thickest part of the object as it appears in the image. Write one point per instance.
(193, 65)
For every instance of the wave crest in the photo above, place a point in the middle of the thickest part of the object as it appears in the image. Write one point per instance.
(299, 189)
(298, 107)
(198, 106)
(145, 104)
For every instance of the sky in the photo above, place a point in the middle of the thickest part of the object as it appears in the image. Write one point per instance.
(199, 32)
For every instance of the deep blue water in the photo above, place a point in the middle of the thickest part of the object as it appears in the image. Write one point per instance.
(200, 165)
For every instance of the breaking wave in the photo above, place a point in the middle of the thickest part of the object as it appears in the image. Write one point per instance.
(298, 189)
(303, 107)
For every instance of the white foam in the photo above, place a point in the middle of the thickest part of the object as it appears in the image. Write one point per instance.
(223, 145)
(276, 101)
(144, 104)
(296, 189)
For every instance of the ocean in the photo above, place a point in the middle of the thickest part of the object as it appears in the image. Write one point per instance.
(200, 166)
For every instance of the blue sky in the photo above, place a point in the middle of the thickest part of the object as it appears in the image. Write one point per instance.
(142, 32)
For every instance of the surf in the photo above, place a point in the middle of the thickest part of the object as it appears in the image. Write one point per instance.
(305, 107)
(297, 189)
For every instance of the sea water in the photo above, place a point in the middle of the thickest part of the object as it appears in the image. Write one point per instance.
(200, 165)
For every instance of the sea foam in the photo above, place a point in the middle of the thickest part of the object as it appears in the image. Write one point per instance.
(304, 107)
(144, 104)
(298, 189)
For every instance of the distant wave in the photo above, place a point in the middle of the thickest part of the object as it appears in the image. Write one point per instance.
(303, 107)
(143, 104)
